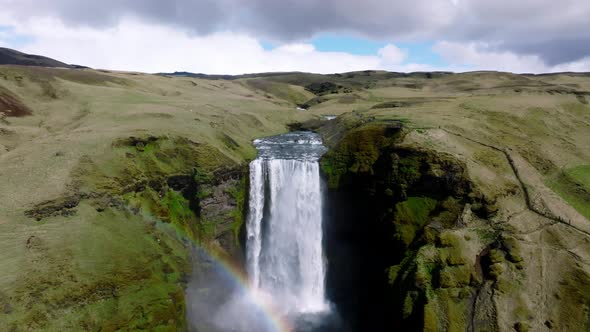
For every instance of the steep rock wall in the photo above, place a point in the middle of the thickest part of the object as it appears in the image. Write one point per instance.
(408, 242)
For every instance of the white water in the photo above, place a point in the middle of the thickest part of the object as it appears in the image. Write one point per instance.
(284, 228)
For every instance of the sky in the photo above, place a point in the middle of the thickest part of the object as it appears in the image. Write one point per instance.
(321, 36)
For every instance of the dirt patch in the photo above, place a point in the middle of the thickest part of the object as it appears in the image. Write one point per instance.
(10, 105)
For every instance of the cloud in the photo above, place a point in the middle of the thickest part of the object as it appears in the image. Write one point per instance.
(285, 20)
(203, 16)
(582, 65)
(555, 31)
(392, 54)
(138, 46)
(484, 56)
(223, 36)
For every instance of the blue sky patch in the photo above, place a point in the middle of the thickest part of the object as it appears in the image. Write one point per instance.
(418, 52)
(347, 44)
(13, 40)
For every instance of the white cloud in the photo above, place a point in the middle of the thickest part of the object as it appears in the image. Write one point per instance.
(392, 54)
(482, 56)
(296, 48)
(582, 65)
(132, 45)
(556, 31)
(137, 46)
(486, 56)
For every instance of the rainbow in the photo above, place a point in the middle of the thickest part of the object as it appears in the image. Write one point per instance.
(273, 316)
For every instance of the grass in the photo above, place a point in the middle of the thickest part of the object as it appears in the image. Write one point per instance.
(70, 142)
(581, 174)
(81, 279)
(573, 185)
(292, 94)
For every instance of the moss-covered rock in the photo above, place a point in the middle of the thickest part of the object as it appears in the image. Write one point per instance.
(356, 153)
(416, 197)
(410, 217)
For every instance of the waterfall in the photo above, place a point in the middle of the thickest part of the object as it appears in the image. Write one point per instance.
(284, 227)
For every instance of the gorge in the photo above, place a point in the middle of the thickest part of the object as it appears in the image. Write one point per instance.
(335, 239)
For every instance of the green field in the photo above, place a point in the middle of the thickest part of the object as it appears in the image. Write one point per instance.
(574, 186)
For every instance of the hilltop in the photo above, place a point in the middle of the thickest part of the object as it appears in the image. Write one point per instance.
(13, 57)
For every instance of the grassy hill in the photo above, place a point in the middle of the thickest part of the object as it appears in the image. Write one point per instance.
(13, 57)
(106, 176)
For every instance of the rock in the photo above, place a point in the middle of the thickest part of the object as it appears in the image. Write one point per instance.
(64, 206)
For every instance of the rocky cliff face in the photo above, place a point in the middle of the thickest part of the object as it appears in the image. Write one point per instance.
(410, 243)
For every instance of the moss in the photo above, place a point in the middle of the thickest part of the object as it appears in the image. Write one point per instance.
(455, 276)
(522, 327)
(207, 229)
(239, 194)
(431, 235)
(409, 169)
(411, 216)
(356, 153)
(513, 251)
(465, 293)
(178, 210)
(453, 256)
(496, 256)
(487, 235)
(449, 239)
(430, 318)
(496, 270)
(423, 276)
(451, 209)
(204, 192)
(409, 303)
(456, 315)
(392, 273)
